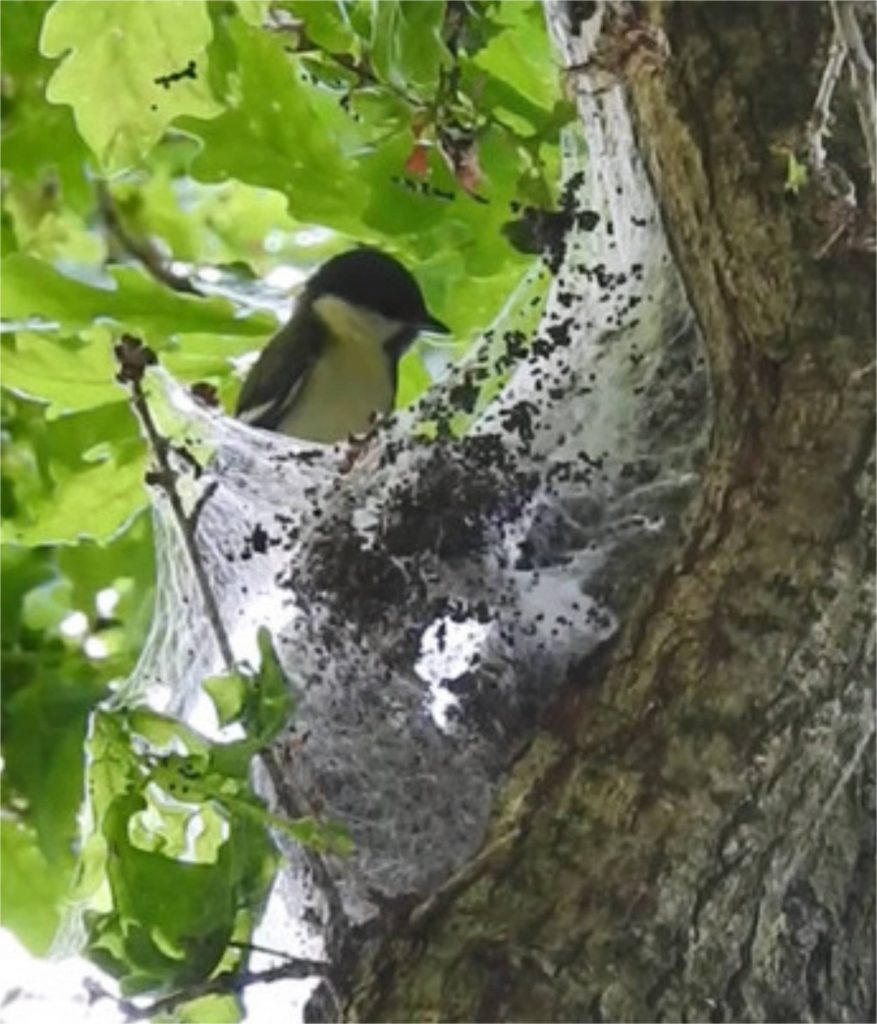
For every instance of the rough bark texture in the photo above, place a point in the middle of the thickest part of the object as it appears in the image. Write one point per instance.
(691, 835)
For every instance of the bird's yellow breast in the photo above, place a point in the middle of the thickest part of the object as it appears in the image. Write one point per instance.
(351, 381)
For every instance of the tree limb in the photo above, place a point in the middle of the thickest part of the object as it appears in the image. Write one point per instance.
(223, 984)
(144, 251)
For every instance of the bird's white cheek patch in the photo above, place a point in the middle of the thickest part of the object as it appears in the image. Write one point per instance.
(356, 325)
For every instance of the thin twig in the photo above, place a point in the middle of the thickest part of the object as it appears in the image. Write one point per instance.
(826, 247)
(252, 947)
(166, 479)
(141, 249)
(223, 984)
(296, 806)
(861, 77)
(203, 498)
(820, 119)
(283, 22)
(133, 358)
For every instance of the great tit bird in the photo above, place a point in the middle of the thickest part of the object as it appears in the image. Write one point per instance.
(327, 372)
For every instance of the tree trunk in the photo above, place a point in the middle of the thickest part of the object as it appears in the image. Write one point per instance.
(691, 834)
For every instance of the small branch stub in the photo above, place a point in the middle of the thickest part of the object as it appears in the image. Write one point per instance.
(133, 357)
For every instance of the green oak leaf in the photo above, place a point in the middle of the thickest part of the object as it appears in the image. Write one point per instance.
(128, 70)
(326, 24)
(22, 570)
(227, 693)
(283, 134)
(40, 140)
(31, 891)
(407, 48)
(31, 288)
(210, 1010)
(253, 11)
(70, 374)
(94, 465)
(44, 732)
(522, 55)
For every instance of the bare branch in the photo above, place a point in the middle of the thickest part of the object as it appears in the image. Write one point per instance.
(861, 77)
(141, 249)
(223, 984)
(134, 357)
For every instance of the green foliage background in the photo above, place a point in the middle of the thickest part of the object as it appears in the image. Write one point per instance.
(221, 133)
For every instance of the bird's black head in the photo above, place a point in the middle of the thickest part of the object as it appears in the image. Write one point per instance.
(377, 282)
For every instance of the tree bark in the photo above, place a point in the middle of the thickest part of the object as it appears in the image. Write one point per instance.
(690, 836)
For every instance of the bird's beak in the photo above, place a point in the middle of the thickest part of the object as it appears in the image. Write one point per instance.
(432, 325)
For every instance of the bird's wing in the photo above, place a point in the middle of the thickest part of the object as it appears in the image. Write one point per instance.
(280, 372)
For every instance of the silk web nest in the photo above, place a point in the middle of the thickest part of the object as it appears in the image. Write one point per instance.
(429, 596)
